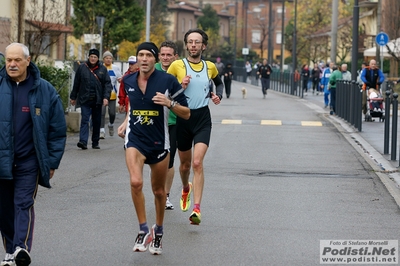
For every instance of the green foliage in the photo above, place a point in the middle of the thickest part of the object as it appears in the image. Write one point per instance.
(59, 78)
(251, 57)
(311, 17)
(227, 53)
(210, 20)
(288, 60)
(124, 20)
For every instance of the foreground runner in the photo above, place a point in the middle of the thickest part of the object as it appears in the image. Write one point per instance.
(145, 130)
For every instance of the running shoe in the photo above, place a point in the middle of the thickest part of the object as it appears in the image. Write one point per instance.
(155, 247)
(195, 217)
(168, 205)
(142, 241)
(22, 257)
(185, 199)
(8, 260)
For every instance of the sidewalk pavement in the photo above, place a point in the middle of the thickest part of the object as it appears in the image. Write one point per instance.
(369, 142)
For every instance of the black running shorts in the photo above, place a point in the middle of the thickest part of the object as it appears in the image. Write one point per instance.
(194, 130)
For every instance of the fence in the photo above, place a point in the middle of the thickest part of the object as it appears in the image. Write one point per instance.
(349, 102)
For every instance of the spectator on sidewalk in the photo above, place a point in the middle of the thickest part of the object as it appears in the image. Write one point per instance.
(123, 100)
(91, 90)
(115, 76)
(346, 75)
(325, 82)
(305, 74)
(256, 67)
(249, 69)
(333, 78)
(228, 76)
(372, 77)
(315, 74)
(220, 66)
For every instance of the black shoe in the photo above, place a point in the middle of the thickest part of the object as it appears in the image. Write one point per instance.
(96, 147)
(82, 145)
(22, 257)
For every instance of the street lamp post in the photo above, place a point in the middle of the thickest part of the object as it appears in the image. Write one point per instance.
(283, 35)
(100, 23)
(235, 43)
(294, 48)
(148, 6)
(270, 54)
(246, 7)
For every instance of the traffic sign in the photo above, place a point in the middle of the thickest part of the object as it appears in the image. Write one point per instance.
(382, 39)
(245, 51)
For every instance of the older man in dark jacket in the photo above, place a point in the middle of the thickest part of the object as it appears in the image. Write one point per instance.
(33, 134)
(91, 90)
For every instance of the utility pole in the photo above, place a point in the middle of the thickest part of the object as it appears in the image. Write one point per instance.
(100, 22)
(246, 7)
(283, 36)
(148, 6)
(294, 48)
(335, 13)
(379, 29)
(354, 51)
(235, 43)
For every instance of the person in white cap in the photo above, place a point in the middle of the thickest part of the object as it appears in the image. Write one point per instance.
(115, 76)
(122, 95)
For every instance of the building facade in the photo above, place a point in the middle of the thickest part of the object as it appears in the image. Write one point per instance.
(40, 24)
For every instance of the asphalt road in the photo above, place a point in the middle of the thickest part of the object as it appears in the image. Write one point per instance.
(279, 177)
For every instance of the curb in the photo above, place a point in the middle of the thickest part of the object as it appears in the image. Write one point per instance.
(388, 174)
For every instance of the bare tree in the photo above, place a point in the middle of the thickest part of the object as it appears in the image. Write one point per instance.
(344, 44)
(45, 27)
(41, 23)
(263, 35)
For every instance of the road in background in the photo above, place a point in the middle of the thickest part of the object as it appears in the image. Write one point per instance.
(279, 177)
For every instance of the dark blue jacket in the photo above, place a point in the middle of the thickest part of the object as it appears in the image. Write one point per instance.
(372, 77)
(49, 126)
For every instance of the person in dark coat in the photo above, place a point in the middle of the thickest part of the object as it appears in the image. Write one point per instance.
(305, 74)
(34, 132)
(315, 74)
(228, 76)
(91, 90)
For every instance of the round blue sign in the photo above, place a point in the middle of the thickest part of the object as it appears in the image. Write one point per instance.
(382, 39)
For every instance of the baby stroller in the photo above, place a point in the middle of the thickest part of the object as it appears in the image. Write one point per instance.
(375, 109)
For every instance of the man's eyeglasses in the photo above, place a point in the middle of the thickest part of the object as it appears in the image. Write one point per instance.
(197, 42)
